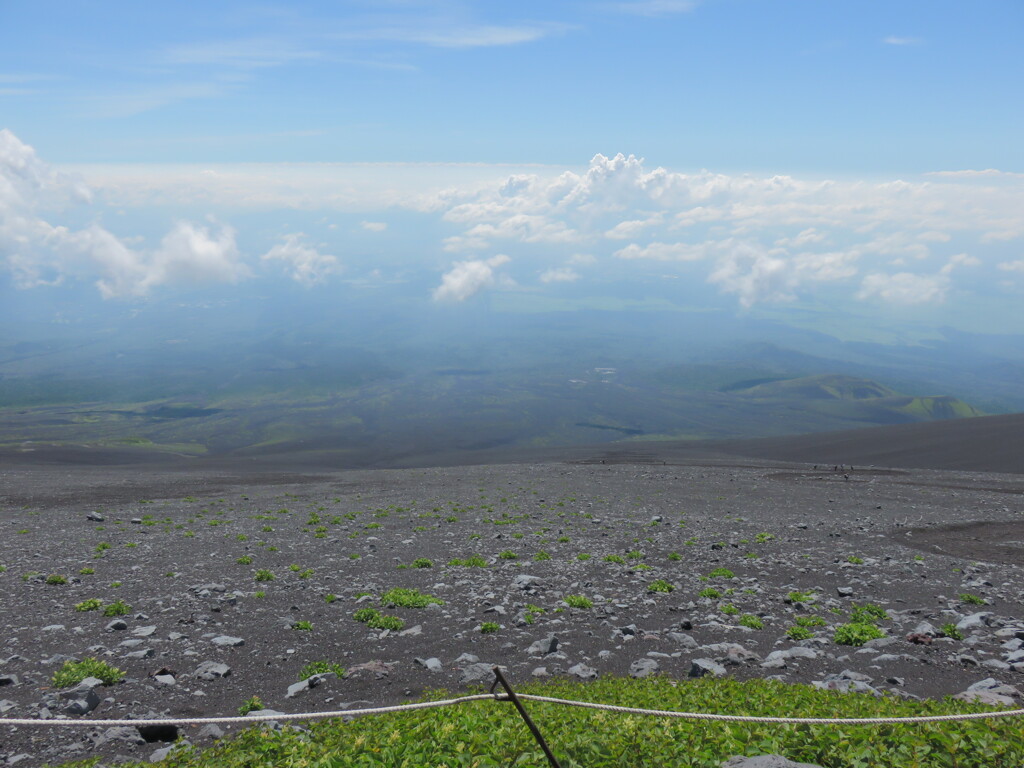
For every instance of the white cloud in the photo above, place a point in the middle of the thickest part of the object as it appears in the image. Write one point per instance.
(444, 35)
(1012, 266)
(373, 226)
(895, 40)
(754, 275)
(37, 252)
(308, 266)
(242, 54)
(663, 251)
(654, 7)
(625, 230)
(467, 278)
(559, 275)
(905, 288)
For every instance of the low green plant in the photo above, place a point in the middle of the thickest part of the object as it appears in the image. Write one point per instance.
(244, 560)
(117, 608)
(489, 627)
(856, 633)
(583, 557)
(660, 585)
(949, 630)
(303, 625)
(321, 668)
(73, 672)
(400, 597)
(799, 633)
(508, 554)
(578, 601)
(252, 704)
(801, 597)
(810, 621)
(751, 622)
(868, 613)
(330, 598)
(721, 573)
(422, 562)
(729, 609)
(91, 604)
(614, 559)
(263, 575)
(55, 579)
(709, 592)
(853, 559)
(259, 595)
(541, 556)
(84, 572)
(675, 556)
(967, 597)
(474, 561)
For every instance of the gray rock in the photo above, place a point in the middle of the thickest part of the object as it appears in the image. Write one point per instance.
(682, 639)
(477, 673)
(975, 621)
(296, 689)
(226, 641)
(119, 733)
(117, 625)
(703, 667)
(432, 664)
(145, 653)
(80, 700)
(985, 697)
(537, 672)
(6, 680)
(211, 731)
(643, 668)
(95, 517)
(844, 591)
(211, 670)
(164, 679)
(526, 583)
(543, 647)
(582, 671)
(144, 631)
(764, 761)
(6, 705)
(467, 658)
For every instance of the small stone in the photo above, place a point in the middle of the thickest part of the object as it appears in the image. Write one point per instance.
(703, 667)
(582, 671)
(431, 665)
(643, 668)
(543, 647)
(117, 625)
(226, 641)
(211, 670)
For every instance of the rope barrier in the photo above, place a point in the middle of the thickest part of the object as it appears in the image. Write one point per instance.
(250, 719)
(281, 717)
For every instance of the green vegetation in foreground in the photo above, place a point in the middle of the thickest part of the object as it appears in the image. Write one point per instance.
(488, 734)
(74, 672)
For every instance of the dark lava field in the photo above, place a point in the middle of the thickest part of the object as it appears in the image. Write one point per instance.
(226, 583)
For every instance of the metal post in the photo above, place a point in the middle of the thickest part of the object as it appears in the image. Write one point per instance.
(500, 678)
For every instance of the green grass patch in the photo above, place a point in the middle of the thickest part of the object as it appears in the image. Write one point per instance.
(400, 597)
(482, 734)
(74, 672)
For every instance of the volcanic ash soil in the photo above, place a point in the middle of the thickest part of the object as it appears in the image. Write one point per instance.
(740, 546)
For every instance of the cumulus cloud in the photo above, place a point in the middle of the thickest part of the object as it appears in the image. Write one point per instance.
(905, 288)
(37, 252)
(467, 278)
(559, 275)
(663, 251)
(307, 266)
(373, 226)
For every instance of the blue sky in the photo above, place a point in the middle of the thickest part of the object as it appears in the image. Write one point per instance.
(775, 153)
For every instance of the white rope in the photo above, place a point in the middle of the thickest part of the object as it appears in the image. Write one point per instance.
(784, 720)
(280, 717)
(249, 719)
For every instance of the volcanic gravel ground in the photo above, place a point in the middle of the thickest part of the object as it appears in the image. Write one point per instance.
(169, 545)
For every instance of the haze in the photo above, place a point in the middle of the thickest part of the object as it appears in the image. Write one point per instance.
(412, 226)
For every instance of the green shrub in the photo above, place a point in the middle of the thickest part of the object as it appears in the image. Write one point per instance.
(578, 601)
(401, 597)
(967, 597)
(751, 622)
(92, 604)
(674, 556)
(475, 561)
(321, 668)
(856, 633)
(84, 572)
(244, 560)
(305, 626)
(614, 559)
(252, 704)
(810, 621)
(117, 608)
(867, 614)
(55, 578)
(422, 562)
(263, 575)
(583, 557)
(709, 592)
(74, 672)
(541, 556)
(799, 633)
(801, 597)
(729, 609)
(508, 554)
(489, 627)
(721, 573)
(855, 560)
(660, 585)
(950, 630)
